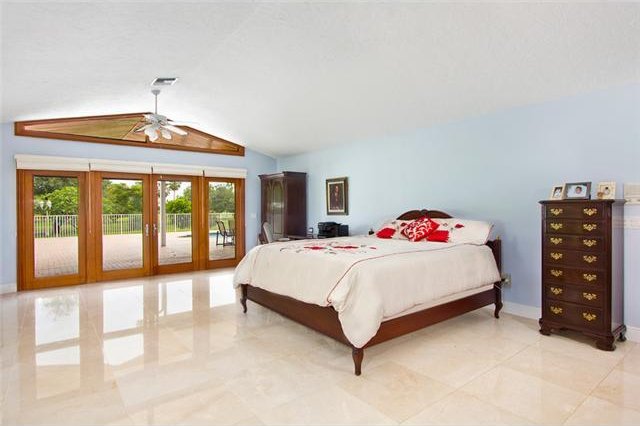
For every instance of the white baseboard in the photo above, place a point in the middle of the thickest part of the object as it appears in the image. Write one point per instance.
(8, 288)
(533, 312)
(633, 334)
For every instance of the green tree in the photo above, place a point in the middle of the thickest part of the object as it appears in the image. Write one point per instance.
(120, 198)
(179, 205)
(45, 185)
(63, 201)
(222, 198)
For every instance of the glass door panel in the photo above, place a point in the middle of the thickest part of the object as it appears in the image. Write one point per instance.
(174, 226)
(221, 218)
(55, 226)
(123, 224)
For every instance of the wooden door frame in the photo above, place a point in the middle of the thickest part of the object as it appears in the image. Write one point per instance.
(25, 241)
(239, 238)
(196, 227)
(96, 201)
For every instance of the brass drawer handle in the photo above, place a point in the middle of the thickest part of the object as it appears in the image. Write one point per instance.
(590, 277)
(556, 273)
(556, 226)
(590, 259)
(556, 310)
(590, 212)
(556, 241)
(589, 243)
(555, 290)
(589, 316)
(556, 212)
(590, 227)
(556, 256)
(590, 296)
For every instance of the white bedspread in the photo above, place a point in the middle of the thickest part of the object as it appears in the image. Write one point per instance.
(364, 278)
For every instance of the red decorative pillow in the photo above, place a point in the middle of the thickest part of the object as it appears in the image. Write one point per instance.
(385, 233)
(438, 236)
(419, 229)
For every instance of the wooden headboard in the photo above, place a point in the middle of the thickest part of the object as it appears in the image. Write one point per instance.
(415, 214)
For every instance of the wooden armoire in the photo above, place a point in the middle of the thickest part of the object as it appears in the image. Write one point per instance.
(284, 203)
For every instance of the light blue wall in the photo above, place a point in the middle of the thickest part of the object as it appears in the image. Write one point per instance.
(10, 145)
(493, 167)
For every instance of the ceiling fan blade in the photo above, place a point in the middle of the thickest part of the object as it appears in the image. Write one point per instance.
(142, 128)
(175, 129)
(165, 133)
(151, 133)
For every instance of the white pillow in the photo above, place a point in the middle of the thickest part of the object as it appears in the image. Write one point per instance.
(462, 231)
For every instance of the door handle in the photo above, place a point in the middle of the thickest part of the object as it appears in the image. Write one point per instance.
(155, 229)
(146, 230)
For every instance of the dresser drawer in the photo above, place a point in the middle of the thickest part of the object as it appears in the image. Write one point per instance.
(580, 259)
(564, 275)
(573, 314)
(575, 227)
(574, 211)
(575, 294)
(585, 243)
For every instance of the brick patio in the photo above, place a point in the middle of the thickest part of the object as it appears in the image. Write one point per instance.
(58, 256)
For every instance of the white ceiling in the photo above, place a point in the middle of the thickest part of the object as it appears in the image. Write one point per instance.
(284, 78)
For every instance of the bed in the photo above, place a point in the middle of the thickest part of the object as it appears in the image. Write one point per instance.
(362, 291)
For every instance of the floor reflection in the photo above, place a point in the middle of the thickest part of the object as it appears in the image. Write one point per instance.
(61, 346)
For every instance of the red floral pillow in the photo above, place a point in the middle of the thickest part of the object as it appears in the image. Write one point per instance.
(438, 236)
(386, 233)
(419, 229)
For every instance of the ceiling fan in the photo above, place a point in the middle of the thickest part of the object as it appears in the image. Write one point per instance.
(157, 123)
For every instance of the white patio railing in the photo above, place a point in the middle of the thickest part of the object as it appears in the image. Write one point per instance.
(58, 226)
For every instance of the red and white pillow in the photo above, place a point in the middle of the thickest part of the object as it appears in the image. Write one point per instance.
(393, 230)
(419, 229)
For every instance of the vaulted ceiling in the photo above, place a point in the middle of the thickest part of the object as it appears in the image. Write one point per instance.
(284, 78)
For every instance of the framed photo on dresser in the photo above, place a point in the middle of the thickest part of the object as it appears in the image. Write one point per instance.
(557, 192)
(578, 191)
(606, 191)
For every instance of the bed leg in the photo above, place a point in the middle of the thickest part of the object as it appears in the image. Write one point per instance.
(498, 292)
(358, 355)
(243, 298)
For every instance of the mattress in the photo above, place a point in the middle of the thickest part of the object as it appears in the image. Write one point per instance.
(367, 280)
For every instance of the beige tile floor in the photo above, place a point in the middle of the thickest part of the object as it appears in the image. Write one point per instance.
(178, 350)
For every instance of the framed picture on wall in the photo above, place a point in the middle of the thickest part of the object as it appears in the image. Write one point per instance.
(557, 192)
(337, 196)
(578, 191)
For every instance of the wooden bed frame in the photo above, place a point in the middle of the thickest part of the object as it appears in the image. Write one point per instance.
(324, 319)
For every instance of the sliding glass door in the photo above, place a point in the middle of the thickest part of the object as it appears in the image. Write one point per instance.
(224, 205)
(52, 246)
(175, 223)
(122, 219)
(87, 226)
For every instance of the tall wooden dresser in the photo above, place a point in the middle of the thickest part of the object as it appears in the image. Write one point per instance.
(284, 203)
(582, 269)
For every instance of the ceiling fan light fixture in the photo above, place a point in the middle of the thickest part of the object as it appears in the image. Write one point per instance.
(151, 133)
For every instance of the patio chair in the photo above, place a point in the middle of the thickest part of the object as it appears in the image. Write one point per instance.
(228, 236)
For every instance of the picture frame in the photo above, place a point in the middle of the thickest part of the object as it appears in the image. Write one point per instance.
(337, 192)
(606, 191)
(577, 191)
(557, 192)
